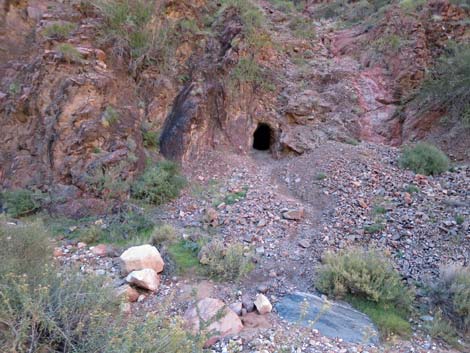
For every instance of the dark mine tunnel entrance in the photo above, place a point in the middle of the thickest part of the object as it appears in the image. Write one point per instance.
(262, 137)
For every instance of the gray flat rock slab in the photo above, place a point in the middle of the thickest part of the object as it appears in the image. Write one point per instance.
(331, 319)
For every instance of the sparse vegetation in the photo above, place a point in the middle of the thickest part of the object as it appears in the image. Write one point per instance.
(225, 262)
(374, 228)
(447, 85)
(367, 279)
(185, 255)
(163, 233)
(443, 329)
(59, 30)
(69, 53)
(150, 138)
(21, 202)
(424, 159)
(110, 116)
(451, 295)
(159, 183)
(249, 71)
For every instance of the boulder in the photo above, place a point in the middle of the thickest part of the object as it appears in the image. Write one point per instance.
(146, 279)
(141, 257)
(221, 320)
(127, 293)
(263, 305)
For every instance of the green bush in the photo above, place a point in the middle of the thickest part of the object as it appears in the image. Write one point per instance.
(451, 294)
(126, 25)
(59, 30)
(249, 71)
(447, 85)
(159, 184)
(369, 282)
(225, 262)
(42, 309)
(184, 254)
(21, 202)
(69, 53)
(150, 138)
(163, 233)
(365, 274)
(424, 159)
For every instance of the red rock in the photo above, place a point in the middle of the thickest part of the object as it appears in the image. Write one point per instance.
(100, 250)
(58, 252)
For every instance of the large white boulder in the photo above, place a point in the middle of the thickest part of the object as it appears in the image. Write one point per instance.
(146, 279)
(263, 305)
(220, 320)
(141, 257)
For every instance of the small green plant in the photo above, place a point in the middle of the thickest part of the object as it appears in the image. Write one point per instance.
(14, 88)
(249, 71)
(379, 210)
(352, 141)
(150, 138)
(412, 189)
(389, 320)
(185, 255)
(236, 196)
(163, 233)
(320, 176)
(69, 53)
(21, 202)
(110, 116)
(443, 329)
(59, 30)
(225, 262)
(424, 159)
(459, 219)
(411, 5)
(159, 184)
(302, 28)
(374, 228)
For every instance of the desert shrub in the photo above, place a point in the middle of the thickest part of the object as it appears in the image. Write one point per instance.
(351, 12)
(249, 71)
(365, 274)
(110, 116)
(447, 85)
(69, 53)
(369, 282)
(412, 5)
(42, 309)
(451, 294)
(150, 138)
(21, 202)
(163, 233)
(424, 159)
(129, 227)
(59, 30)
(159, 184)
(443, 329)
(302, 28)
(225, 262)
(126, 25)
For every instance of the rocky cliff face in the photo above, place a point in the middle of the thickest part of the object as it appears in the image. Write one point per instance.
(77, 114)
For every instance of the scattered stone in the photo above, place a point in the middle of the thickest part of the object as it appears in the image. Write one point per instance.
(304, 243)
(262, 304)
(58, 252)
(146, 279)
(100, 250)
(294, 215)
(222, 320)
(236, 308)
(141, 257)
